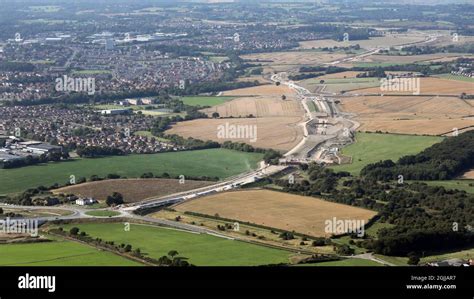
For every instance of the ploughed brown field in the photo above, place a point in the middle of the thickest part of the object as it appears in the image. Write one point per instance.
(306, 215)
(133, 190)
(411, 114)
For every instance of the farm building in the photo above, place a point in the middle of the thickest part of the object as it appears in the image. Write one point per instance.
(86, 201)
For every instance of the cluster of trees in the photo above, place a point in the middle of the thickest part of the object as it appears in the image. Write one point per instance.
(32, 160)
(326, 70)
(98, 151)
(165, 175)
(305, 76)
(442, 161)
(417, 50)
(191, 143)
(9, 214)
(377, 73)
(115, 199)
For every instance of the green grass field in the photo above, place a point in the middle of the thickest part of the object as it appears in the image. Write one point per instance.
(220, 163)
(462, 254)
(454, 184)
(205, 101)
(395, 260)
(371, 147)
(201, 249)
(59, 253)
(102, 213)
(312, 106)
(218, 59)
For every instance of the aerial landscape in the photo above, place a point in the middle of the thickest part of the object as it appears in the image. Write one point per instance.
(236, 133)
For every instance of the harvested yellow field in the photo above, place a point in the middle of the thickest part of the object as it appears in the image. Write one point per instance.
(386, 41)
(411, 107)
(447, 39)
(429, 86)
(306, 215)
(410, 115)
(293, 57)
(469, 175)
(257, 107)
(279, 133)
(418, 126)
(261, 90)
(413, 58)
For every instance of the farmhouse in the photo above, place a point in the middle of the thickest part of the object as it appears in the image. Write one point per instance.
(86, 201)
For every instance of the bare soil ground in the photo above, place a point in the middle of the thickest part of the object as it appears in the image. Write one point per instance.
(280, 210)
(133, 190)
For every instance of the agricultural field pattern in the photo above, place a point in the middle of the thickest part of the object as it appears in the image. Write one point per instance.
(237, 133)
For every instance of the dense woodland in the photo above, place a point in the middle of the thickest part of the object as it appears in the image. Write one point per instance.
(445, 160)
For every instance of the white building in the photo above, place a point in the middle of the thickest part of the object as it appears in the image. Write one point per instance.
(85, 201)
